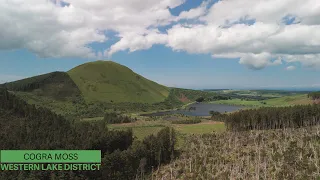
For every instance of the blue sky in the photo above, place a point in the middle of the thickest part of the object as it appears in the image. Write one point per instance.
(174, 63)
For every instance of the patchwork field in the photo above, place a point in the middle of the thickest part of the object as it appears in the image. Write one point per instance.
(300, 99)
(146, 126)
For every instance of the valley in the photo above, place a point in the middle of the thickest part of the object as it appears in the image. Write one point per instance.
(104, 105)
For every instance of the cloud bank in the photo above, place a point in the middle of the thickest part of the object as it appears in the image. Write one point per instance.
(259, 33)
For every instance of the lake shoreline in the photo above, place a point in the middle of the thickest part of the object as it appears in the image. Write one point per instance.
(199, 109)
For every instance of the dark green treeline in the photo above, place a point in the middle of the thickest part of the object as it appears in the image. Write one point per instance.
(274, 118)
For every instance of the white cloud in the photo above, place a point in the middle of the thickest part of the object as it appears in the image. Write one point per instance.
(226, 33)
(134, 41)
(51, 30)
(258, 61)
(195, 12)
(252, 30)
(290, 68)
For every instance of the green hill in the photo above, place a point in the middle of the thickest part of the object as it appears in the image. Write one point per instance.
(90, 89)
(99, 81)
(107, 81)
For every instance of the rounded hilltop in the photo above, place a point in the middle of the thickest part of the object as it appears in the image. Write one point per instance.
(108, 81)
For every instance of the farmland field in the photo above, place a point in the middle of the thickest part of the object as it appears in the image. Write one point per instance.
(142, 129)
(282, 101)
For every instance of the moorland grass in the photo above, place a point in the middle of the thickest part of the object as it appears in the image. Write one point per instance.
(107, 81)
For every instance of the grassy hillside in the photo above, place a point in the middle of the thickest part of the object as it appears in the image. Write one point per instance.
(90, 89)
(106, 81)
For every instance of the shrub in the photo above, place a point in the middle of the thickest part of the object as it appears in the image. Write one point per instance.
(187, 121)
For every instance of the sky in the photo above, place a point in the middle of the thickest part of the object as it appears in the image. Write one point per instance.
(199, 44)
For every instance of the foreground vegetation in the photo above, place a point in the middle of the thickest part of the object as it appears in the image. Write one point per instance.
(269, 154)
(264, 143)
(24, 126)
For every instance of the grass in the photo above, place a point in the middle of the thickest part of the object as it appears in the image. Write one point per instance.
(142, 128)
(238, 102)
(282, 101)
(106, 81)
(186, 105)
(291, 100)
(140, 132)
(200, 128)
(92, 119)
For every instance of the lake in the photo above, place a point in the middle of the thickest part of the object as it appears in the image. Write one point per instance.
(201, 109)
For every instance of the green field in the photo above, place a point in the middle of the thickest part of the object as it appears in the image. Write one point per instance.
(282, 101)
(200, 128)
(142, 128)
(146, 126)
(141, 132)
(92, 119)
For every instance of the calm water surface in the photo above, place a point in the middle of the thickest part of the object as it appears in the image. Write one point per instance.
(201, 109)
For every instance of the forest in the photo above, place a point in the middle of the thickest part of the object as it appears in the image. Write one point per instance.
(24, 126)
(57, 85)
(274, 118)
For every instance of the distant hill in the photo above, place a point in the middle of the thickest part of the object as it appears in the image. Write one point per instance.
(99, 81)
(56, 85)
(107, 81)
(189, 95)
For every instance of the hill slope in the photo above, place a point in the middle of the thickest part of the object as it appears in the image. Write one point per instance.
(56, 85)
(106, 81)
